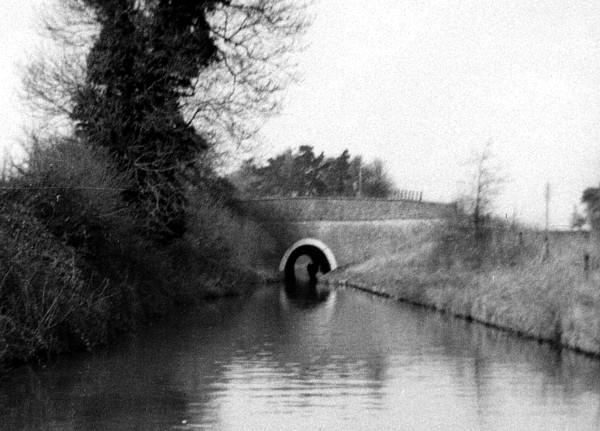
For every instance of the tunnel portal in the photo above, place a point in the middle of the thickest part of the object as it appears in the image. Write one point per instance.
(316, 250)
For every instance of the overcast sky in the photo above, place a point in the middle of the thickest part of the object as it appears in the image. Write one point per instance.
(422, 84)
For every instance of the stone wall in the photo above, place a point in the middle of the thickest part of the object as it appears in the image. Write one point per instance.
(343, 209)
(353, 242)
(353, 229)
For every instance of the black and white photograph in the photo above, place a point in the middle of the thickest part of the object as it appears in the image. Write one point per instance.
(330, 215)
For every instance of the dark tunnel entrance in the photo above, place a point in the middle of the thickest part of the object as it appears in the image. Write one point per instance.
(318, 261)
(309, 254)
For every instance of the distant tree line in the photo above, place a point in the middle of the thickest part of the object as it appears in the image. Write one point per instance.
(591, 199)
(304, 173)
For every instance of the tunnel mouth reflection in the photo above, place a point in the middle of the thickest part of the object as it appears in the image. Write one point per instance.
(304, 295)
(301, 285)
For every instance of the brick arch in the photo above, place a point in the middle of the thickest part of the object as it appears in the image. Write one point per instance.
(317, 250)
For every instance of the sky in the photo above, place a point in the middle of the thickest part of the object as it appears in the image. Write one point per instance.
(422, 85)
(18, 39)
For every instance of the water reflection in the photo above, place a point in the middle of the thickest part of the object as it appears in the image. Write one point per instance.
(309, 359)
(99, 396)
(304, 293)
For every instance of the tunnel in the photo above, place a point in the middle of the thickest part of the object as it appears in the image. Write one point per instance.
(316, 250)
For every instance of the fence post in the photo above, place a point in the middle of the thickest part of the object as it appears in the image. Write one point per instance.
(521, 242)
(546, 250)
(586, 265)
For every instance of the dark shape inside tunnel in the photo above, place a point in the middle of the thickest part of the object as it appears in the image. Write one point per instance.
(319, 262)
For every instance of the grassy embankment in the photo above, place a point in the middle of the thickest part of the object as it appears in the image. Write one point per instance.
(505, 283)
(75, 270)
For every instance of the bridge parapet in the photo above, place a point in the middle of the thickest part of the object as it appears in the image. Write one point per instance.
(350, 229)
(343, 209)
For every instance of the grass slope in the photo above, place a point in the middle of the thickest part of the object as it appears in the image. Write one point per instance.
(550, 300)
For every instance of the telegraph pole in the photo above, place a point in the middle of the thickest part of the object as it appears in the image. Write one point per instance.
(546, 254)
(547, 196)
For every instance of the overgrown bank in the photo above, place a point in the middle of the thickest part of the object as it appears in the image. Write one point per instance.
(118, 213)
(512, 286)
(77, 269)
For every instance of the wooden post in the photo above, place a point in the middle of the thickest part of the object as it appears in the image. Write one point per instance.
(521, 240)
(586, 265)
(360, 179)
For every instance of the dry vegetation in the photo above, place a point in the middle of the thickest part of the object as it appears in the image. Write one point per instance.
(508, 282)
(75, 270)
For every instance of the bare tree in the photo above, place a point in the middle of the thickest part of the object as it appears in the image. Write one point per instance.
(160, 83)
(229, 100)
(486, 182)
(55, 73)
(256, 41)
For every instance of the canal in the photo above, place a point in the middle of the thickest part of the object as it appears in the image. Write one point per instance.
(343, 361)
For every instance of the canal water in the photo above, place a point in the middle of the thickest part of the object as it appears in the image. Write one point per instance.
(342, 361)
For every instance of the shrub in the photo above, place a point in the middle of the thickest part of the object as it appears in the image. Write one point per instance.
(225, 241)
(493, 242)
(75, 267)
(45, 304)
(66, 239)
(74, 191)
